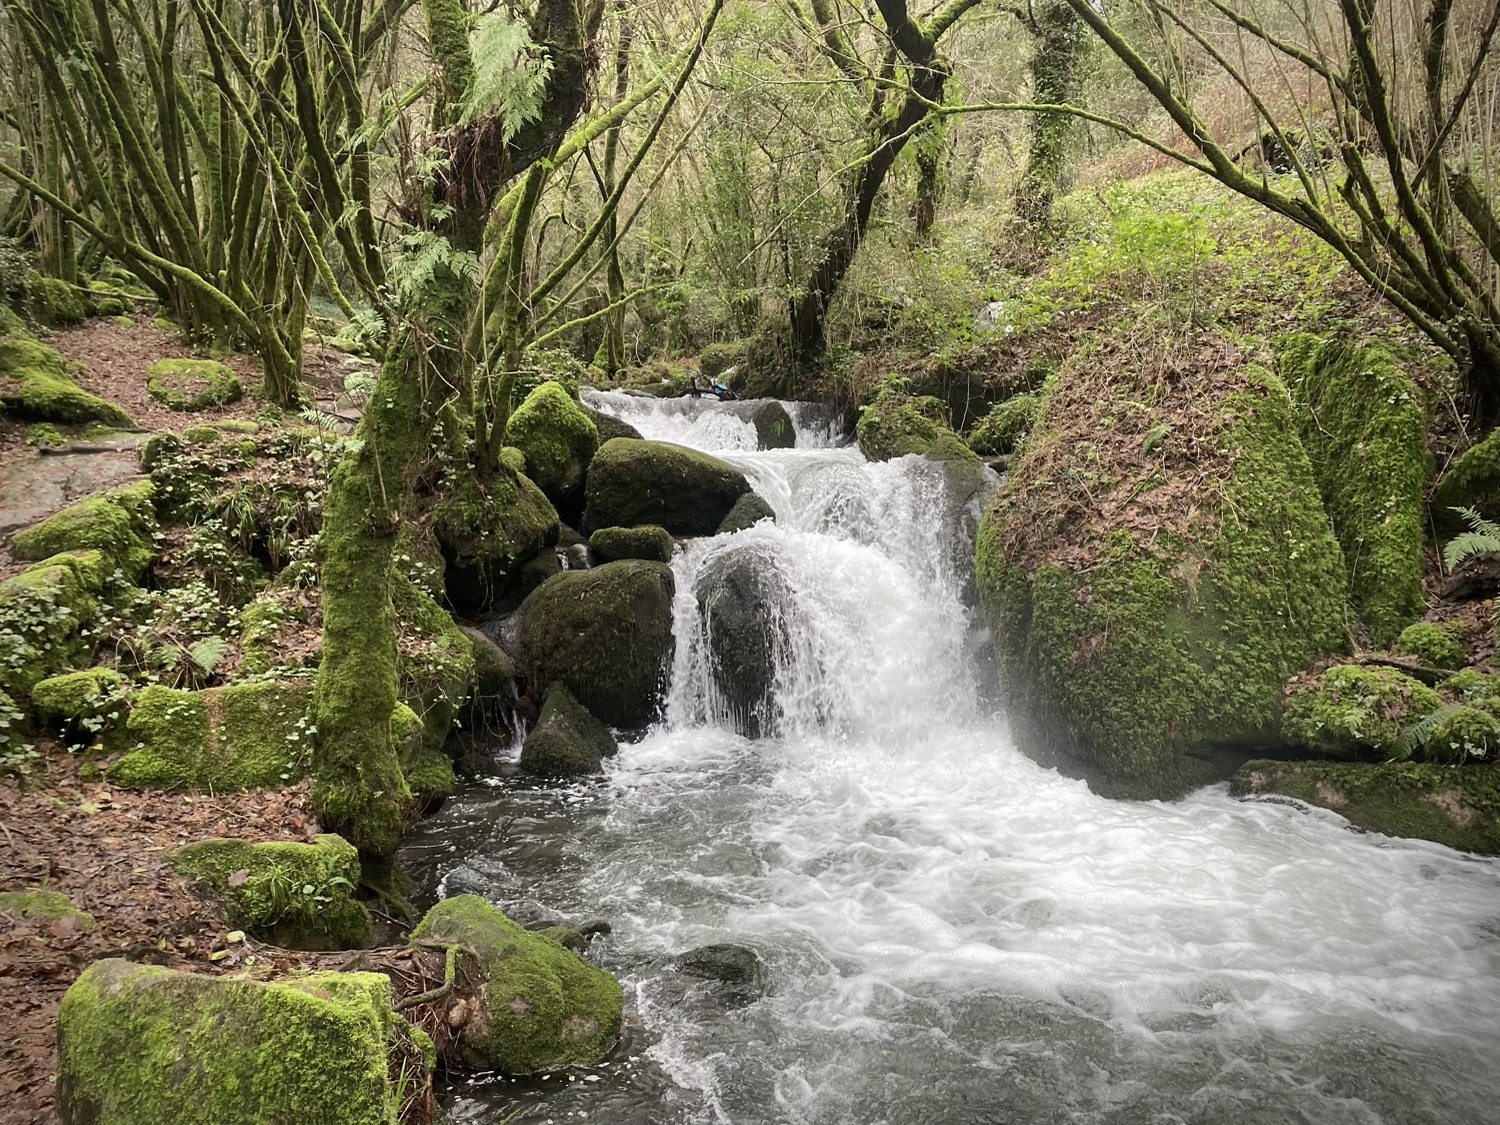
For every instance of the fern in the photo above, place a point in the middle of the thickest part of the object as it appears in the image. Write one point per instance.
(207, 653)
(1415, 736)
(1482, 538)
(510, 78)
(425, 256)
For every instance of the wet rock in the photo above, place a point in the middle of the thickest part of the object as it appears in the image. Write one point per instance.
(543, 1006)
(741, 597)
(748, 511)
(730, 964)
(614, 543)
(773, 427)
(896, 425)
(611, 427)
(655, 482)
(567, 741)
(605, 633)
(141, 1045)
(488, 530)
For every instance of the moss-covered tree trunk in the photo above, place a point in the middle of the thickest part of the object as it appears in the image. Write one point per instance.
(1055, 66)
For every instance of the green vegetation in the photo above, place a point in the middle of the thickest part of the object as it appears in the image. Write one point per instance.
(654, 482)
(44, 612)
(192, 384)
(1005, 427)
(35, 385)
(895, 424)
(45, 906)
(1353, 712)
(557, 438)
(1438, 645)
(91, 705)
(120, 525)
(654, 543)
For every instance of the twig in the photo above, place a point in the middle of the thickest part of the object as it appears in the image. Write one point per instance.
(450, 968)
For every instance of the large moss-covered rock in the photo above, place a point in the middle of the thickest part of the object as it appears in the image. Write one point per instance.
(610, 426)
(43, 614)
(91, 706)
(742, 599)
(295, 895)
(1473, 481)
(654, 482)
(1005, 427)
(774, 428)
(606, 633)
(243, 736)
(1454, 805)
(489, 529)
(1351, 711)
(543, 1005)
(558, 439)
(35, 385)
(192, 384)
(1440, 646)
(121, 525)
(897, 424)
(1148, 607)
(1364, 427)
(141, 1045)
(614, 543)
(567, 741)
(54, 302)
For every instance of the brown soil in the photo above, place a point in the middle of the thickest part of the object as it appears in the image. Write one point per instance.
(103, 847)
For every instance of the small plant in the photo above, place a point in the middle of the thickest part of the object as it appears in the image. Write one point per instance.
(1480, 541)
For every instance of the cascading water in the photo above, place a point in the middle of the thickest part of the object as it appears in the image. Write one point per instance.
(952, 933)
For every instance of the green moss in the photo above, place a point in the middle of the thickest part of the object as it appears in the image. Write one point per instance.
(1132, 669)
(44, 434)
(430, 776)
(54, 302)
(35, 384)
(557, 438)
(896, 425)
(950, 447)
(1462, 733)
(716, 359)
(45, 906)
(44, 612)
(159, 449)
(631, 483)
(243, 736)
(120, 525)
(91, 705)
(488, 530)
(1454, 805)
(613, 543)
(1437, 645)
(435, 661)
(141, 1045)
(605, 633)
(295, 895)
(513, 459)
(201, 435)
(1352, 711)
(1005, 427)
(748, 511)
(237, 426)
(192, 384)
(1471, 686)
(546, 1006)
(260, 626)
(1364, 427)
(1473, 481)
(566, 740)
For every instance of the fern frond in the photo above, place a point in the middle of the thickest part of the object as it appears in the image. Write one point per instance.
(1482, 538)
(1415, 736)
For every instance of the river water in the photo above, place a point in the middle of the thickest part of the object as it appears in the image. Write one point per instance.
(952, 934)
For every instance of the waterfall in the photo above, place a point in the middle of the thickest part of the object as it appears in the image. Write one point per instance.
(954, 934)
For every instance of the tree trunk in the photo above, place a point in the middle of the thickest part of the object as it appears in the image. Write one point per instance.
(1054, 78)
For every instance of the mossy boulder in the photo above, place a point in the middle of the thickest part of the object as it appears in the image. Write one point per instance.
(434, 660)
(742, 599)
(1441, 646)
(544, 1006)
(748, 511)
(614, 543)
(120, 525)
(1148, 607)
(35, 385)
(1352, 711)
(897, 425)
(773, 427)
(1462, 733)
(605, 633)
(295, 895)
(1472, 481)
(567, 741)
(1364, 426)
(488, 529)
(655, 482)
(142, 1045)
(54, 302)
(610, 426)
(558, 439)
(1454, 805)
(716, 359)
(1005, 427)
(43, 614)
(90, 705)
(244, 736)
(192, 384)
(46, 906)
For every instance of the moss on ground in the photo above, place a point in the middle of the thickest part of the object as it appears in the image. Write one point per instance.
(631, 483)
(44, 612)
(1351, 711)
(1364, 427)
(45, 906)
(1127, 649)
(35, 385)
(192, 384)
(121, 525)
(1454, 805)
(614, 543)
(545, 1006)
(91, 705)
(1005, 427)
(295, 895)
(243, 736)
(897, 424)
(141, 1045)
(1438, 645)
(54, 302)
(558, 440)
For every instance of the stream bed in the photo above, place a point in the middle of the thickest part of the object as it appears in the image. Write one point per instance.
(949, 932)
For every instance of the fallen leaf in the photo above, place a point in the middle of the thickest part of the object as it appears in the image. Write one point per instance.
(239, 878)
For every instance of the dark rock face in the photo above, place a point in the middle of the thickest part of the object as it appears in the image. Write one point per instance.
(748, 511)
(654, 482)
(611, 427)
(773, 427)
(614, 543)
(567, 741)
(734, 973)
(605, 633)
(740, 596)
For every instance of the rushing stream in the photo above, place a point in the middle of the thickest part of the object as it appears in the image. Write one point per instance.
(950, 933)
